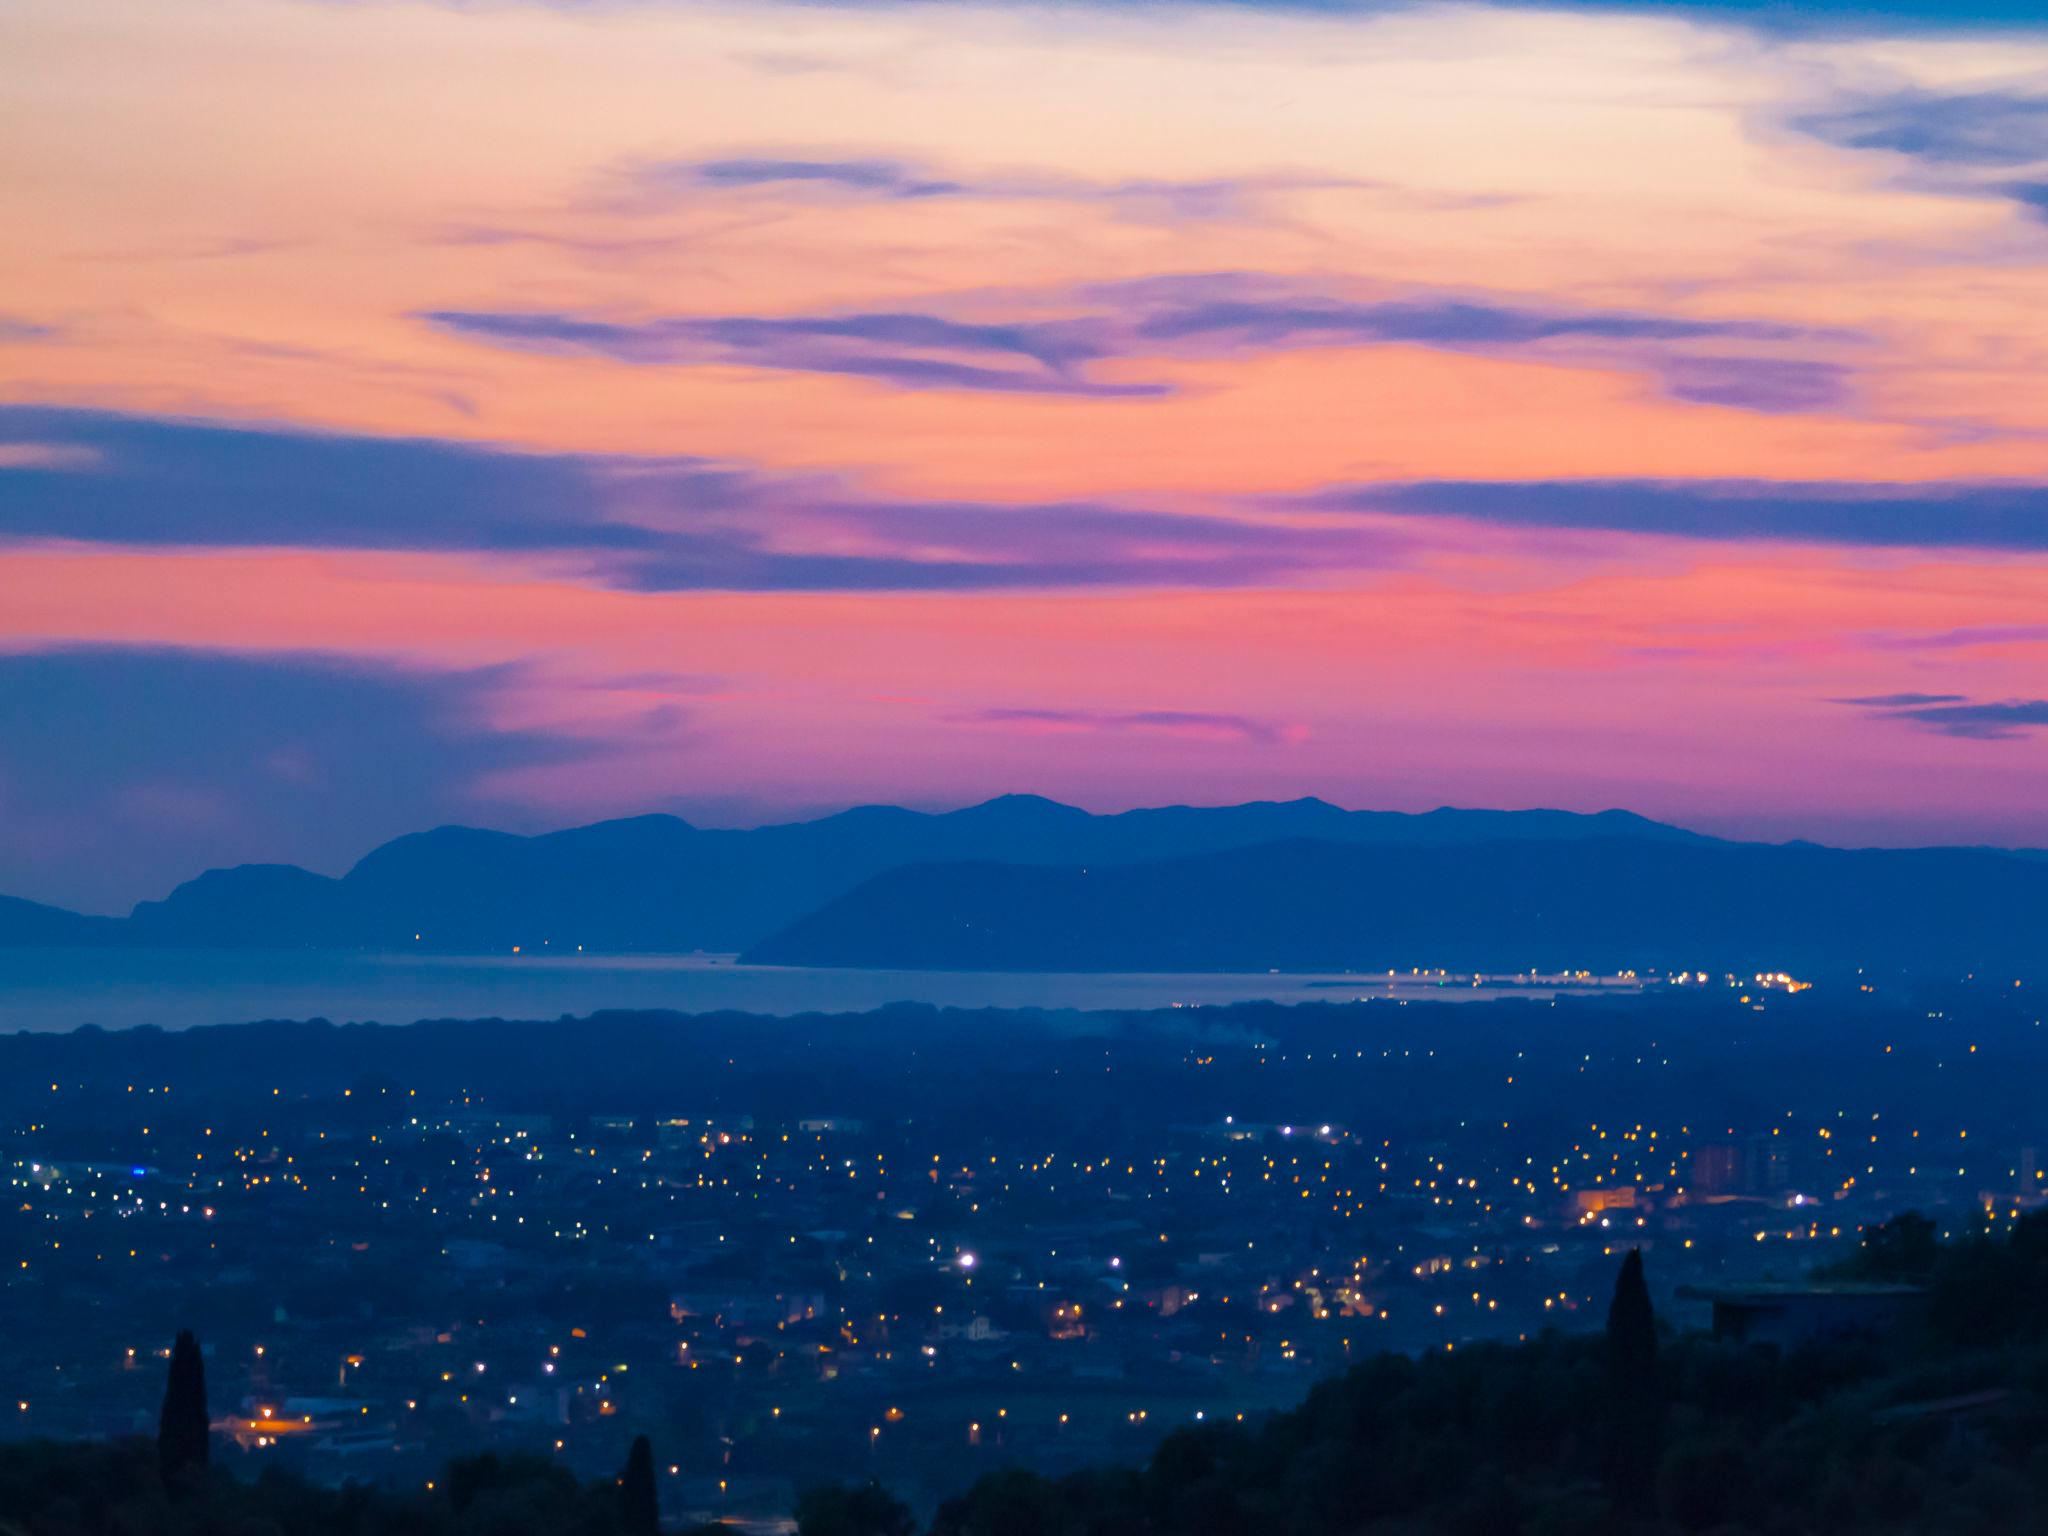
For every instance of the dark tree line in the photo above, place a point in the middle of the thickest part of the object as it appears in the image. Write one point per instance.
(120, 1488)
(1634, 1430)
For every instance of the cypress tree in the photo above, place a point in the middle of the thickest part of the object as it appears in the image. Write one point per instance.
(1635, 1406)
(1632, 1325)
(639, 1502)
(182, 1436)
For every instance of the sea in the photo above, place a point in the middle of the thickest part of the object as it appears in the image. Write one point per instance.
(60, 989)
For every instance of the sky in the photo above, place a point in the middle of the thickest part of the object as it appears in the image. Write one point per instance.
(524, 413)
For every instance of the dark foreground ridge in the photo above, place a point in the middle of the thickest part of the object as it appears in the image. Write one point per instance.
(1932, 1421)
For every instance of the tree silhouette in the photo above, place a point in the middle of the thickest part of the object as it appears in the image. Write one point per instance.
(864, 1509)
(639, 1501)
(1631, 1324)
(182, 1436)
(1904, 1248)
(1635, 1428)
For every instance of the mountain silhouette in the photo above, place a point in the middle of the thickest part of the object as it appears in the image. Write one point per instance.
(656, 883)
(30, 922)
(1601, 904)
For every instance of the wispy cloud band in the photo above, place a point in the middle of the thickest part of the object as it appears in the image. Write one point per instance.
(1966, 514)
(1956, 714)
(1197, 316)
(1205, 724)
(638, 523)
(683, 523)
(912, 351)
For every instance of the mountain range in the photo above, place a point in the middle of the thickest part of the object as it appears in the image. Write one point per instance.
(1597, 903)
(1022, 882)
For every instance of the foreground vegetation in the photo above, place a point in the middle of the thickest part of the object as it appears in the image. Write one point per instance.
(1593, 1434)
(1941, 1428)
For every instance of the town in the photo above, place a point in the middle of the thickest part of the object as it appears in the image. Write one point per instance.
(920, 1245)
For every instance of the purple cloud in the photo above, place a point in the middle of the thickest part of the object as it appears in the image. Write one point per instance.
(1774, 385)
(1262, 324)
(884, 178)
(912, 351)
(1955, 142)
(1231, 313)
(1200, 316)
(1961, 639)
(1955, 714)
(2030, 195)
(1972, 128)
(644, 524)
(1901, 700)
(1183, 722)
(1961, 514)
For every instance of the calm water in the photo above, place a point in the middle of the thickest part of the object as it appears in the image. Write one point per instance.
(61, 989)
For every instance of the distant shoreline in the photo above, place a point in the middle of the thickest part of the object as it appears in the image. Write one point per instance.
(58, 989)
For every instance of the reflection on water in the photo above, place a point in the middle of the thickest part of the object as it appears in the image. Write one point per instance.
(118, 989)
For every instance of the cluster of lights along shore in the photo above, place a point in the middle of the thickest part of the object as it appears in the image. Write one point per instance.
(818, 1289)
